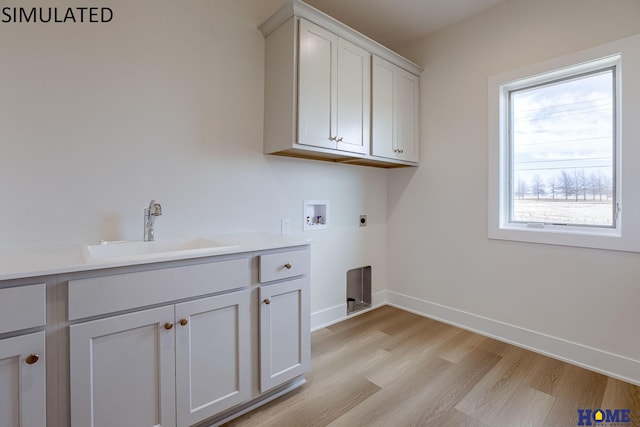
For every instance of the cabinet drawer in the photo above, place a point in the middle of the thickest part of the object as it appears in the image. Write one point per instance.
(283, 265)
(22, 307)
(108, 294)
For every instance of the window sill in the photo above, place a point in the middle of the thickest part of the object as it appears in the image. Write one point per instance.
(585, 237)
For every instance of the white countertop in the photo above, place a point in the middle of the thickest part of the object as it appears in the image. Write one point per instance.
(20, 262)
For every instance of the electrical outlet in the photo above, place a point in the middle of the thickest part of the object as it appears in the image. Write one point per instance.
(285, 226)
(363, 220)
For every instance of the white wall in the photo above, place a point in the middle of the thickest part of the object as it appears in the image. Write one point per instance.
(437, 228)
(165, 102)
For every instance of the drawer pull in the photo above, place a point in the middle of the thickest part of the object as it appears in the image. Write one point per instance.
(287, 266)
(267, 301)
(168, 326)
(32, 358)
(183, 322)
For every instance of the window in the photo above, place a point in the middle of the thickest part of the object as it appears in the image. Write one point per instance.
(556, 135)
(562, 149)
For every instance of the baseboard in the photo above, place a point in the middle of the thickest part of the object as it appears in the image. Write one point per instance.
(328, 316)
(338, 313)
(606, 363)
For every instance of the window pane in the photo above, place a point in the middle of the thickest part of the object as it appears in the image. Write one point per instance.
(562, 152)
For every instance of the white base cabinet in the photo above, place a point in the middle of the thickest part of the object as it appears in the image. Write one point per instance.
(212, 356)
(284, 332)
(22, 357)
(22, 381)
(186, 344)
(168, 366)
(123, 371)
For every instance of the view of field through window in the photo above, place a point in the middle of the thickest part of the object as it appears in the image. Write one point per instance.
(562, 151)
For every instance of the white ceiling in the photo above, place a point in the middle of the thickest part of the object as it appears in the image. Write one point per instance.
(394, 23)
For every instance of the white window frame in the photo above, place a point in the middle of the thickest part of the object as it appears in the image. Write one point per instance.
(624, 55)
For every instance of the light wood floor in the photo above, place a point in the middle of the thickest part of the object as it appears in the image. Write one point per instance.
(393, 368)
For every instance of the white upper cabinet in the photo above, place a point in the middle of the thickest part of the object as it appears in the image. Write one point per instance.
(318, 92)
(407, 107)
(395, 104)
(317, 103)
(383, 130)
(334, 95)
(354, 98)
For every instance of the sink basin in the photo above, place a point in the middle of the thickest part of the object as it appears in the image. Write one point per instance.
(134, 250)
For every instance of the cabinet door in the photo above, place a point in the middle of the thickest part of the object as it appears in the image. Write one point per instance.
(407, 107)
(354, 98)
(212, 356)
(22, 381)
(316, 89)
(123, 370)
(383, 120)
(395, 111)
(284, 332)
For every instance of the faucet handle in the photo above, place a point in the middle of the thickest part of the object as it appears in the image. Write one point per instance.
(155, 208)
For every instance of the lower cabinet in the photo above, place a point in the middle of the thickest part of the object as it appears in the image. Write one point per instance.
(167, 366)
(22, 381)
(284, 332)
(212, 356)
(122, 370)
(189, 359)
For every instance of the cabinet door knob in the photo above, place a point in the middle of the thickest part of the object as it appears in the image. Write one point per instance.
(395, 150)
(183, 322)
(339, 139)
(267, 301)
(168, 325)
(332, 138)
(32, 358)
(287, 266)
(401, 150)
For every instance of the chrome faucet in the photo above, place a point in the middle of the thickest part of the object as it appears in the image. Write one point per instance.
(150, 215)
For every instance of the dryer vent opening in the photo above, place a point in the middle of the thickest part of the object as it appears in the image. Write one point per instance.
(358, 289)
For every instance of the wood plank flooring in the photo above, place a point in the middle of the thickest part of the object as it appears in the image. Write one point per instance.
(389, 367)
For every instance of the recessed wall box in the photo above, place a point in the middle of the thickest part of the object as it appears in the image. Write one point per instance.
(315, 214)
(358, 289)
